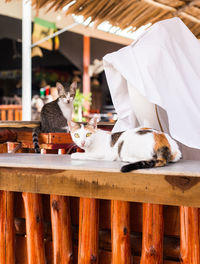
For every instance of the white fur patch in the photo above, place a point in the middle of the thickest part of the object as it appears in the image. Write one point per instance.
(66, 109)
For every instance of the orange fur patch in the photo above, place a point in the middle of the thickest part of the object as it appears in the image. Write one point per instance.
(160, 141)
(74, 128)
(145, 128)
(90, 128)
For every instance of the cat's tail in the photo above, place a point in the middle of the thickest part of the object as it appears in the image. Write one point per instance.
(162, 157)
(35, 134)
(145, 164)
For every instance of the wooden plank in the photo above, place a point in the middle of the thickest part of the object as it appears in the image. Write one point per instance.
(59, 138)
(20, 124)
(47, 138)
(98, 185)
(3, 148)
(176, 184)
(64, 162)
(33, 124)
(26, 137)
(28, 145)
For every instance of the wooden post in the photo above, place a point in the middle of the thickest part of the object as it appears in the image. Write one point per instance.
(152, 240)
(34, 228)
(189, 235)
(7, 236)
(61, 151)
(10, 114)
(120, 232)
(61, 229)
(88, 231)
(86, 63)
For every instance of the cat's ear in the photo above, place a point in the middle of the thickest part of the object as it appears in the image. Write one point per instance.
(73, 88)
(60, 87)
(93, 121)
(72, 125)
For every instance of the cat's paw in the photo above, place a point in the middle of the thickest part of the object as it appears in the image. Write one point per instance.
(77, 155)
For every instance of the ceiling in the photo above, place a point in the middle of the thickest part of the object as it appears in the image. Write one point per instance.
(130, 13)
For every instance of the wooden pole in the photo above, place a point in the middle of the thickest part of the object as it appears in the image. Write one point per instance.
(26, 60)
(34, 228)
(88, 231)
(189, 235)
(61, 229)
(7, 236)
(120, 232)
(152, 240)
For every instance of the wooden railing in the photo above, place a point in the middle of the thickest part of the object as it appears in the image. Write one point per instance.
(10, 112)
(117, 228)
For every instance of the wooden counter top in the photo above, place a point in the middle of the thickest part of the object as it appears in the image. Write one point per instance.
(175, 184)
(33, 124)
(19, 124)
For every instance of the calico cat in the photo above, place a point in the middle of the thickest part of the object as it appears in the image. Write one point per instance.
(55, 115)
(140, 147)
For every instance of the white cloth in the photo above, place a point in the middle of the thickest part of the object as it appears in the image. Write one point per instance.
(164, 65)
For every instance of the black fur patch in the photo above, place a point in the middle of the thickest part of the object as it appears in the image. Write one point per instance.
(120, 147)
(115, 137)
(143, 131)
(138, 165)
(164, 152)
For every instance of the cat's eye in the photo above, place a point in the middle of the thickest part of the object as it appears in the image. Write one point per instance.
(76, 135)
(88, 134)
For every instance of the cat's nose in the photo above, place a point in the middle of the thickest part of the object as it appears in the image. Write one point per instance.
(83, 143)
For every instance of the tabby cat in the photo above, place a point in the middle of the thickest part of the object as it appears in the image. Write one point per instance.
(140, 147)
(55, 115)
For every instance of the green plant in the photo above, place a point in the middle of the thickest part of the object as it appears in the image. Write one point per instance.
(80, 102)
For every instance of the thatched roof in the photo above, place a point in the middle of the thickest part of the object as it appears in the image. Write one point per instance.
(135, 13)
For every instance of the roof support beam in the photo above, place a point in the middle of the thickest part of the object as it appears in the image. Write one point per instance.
(26, 61)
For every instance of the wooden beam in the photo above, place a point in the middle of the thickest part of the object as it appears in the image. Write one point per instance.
(175, 184)
(163, 6)
(192, 18)
(176, 12)
(86, 63)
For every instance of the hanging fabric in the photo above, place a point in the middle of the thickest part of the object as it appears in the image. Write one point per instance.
(164, 66)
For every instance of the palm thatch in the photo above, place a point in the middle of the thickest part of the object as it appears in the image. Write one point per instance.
(131, 13)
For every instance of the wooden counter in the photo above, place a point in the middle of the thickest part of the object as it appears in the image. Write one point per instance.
(33, 124)
(175, 184)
